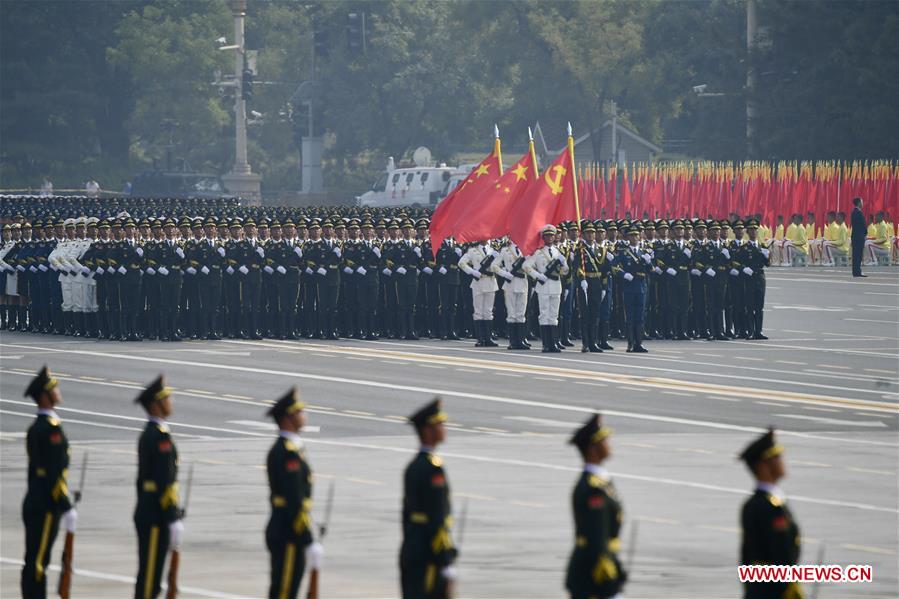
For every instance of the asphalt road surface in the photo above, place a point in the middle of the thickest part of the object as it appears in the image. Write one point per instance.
(827, 379)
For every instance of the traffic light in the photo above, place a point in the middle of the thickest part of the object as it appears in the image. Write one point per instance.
(246, 89)
(319, 37)
(355, 32)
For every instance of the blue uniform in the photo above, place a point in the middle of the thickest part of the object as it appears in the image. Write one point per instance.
(633, 261)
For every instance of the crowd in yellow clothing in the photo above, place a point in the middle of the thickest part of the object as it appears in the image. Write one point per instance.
(800, 244)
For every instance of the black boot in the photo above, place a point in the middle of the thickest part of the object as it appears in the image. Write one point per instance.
(638, 342)
(564, 326)
(630, 339)
(594, 338)
(544, 337)
(604, 336)
(555, 346)
(24, 321)
(11, 316)
(523, 335)
(585, 336)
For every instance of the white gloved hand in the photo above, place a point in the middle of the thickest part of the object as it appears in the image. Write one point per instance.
(726, 253)
(401, 270)
(506, 274)
(565, 294)
(42, 267)
(376, 251)
(541, 277)
(361, 270)
(260, 251)
(428, 270)
(230, 270)
(190, 270)
(321, 270)
(315, 555)
(449, 574)
(243, 269)
(100, 270)
(33, 269)
(562, 259)
(221, 251)
(747, 270)
(150, 270)
(268, 270)
(584, 286)
(139, 251)
(298, 251)
(84, 270)
(442, 270)
(603, 296)
(20, 268)
(163, 271)
(695, 272)
(476, 274)
(122, 270)
(628, 277)
(688, 253)
(70, 520)
(281, 270)
(459, 251)
(647, 258)
(386, 272)
(671, 271)
(205, 270)
(348, 270)
(309, 270)
(710, 272)
(176, 534)
(180, 252)
(610, 257)
(337, 251)
(766, 252)
(657, 270)
(417, 251)
(734, 272)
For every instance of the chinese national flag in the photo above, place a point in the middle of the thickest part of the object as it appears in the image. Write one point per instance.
(488, 217)
(464, 195)
(550, 200)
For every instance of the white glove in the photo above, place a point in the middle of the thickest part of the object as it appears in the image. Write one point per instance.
(386, 272)
(506, 274)
(298, 251)
(261, 252)
(747, 270)
(176, 533)
(428, 270)
(337, 251)
(671, 271)
(33, 269)
(647, 258)
(710, 272)
(442, 270)
(603, 296)
(628, 277)
(361, 270)
(695, 272)
(191, 270)
(309, 270)
(205, 270)
(122, 270)
(243, 269)
(163, 271)
(321, 270)
(230, 270)
(657, 270)
(765, 252)
(476, 274)
(150, 270)
(221, 251)
(449, 574)
(734, 272)
(139, 251)
(459, 252)
(180, 252)
(281, 270)
(401, 270)
(541, 277)
(70, 520)
(268, 270)
(315, 555)
(584, 286)
(376, 251)
(610, 257)
(688, 253)
(348, 270)
(417, 251)
(20, 268)
(726, 253)
(561, 258)
(84, 270)
(565, 294)
(42, 268)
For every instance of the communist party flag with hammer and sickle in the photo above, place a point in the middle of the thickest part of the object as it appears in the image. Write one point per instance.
(465, 194)
(550, 200)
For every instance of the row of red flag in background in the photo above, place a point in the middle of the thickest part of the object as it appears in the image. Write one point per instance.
(491, 203)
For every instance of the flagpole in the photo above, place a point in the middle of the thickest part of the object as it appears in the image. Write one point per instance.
(577, 212)
(498, 150)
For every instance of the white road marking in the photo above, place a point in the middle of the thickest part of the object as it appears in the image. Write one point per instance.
(771, 403)
(270, 426)
(879, 371)
(868, 549)
(655, 520)
(545, 422)
(679, 393)
(807, 463)
(791, 363)
(872, 471)
(591, 383)
(721, 398)
(872, 320)
(365, 481)
(822, 420)
(813, 408)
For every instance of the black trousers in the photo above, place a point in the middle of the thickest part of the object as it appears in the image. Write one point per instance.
(41, 527)
(858, 250)
(422, 581)
(153, 546)
(288, 561)
(210, 294)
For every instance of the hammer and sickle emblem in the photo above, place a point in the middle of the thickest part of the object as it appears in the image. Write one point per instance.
(555, 183)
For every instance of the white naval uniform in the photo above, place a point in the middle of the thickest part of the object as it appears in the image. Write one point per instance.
(59, 261)
(483, 289)
(515, 289)
(12, 278)
(549, 294)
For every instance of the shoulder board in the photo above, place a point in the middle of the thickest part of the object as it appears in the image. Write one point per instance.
(774, 500)
(435, 461)
(162, 428)
(289, 446)
(595, 481)
(52, 421)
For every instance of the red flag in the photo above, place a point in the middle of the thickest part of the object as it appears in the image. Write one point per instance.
(459, 200)
(550, 200)
(488, 216)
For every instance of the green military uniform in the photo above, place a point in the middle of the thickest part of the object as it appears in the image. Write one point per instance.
(427, 550)
(157, 494)
(48, 494)
(289, 529)
(594, 570)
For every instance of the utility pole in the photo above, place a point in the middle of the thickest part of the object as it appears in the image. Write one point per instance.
(614, 132)
(241, 180)
(751, 48)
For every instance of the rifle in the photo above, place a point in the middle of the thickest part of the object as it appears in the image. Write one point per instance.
(484, 268)
(632, 549)
(175, 561)
(552, 270)
(312, 592)
(517, 270)
(65, 575)
(817, 584)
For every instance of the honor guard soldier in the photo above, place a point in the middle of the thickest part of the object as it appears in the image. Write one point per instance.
(770, 533)
(157, 517)
(591, 273)
(210, 257)
(594, 570)
(367, 272)
(634, 265)
(288, 535)
(170, 257)
(717, 263)
(754, 257)
(510, 266)
(406, 256)
(676, 261)
(547, 265)
(477, 263)
(427, 554)
(448, 287)
(47, 499)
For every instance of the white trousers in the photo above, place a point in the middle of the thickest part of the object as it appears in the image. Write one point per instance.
(65, 283)
(516, 304)
(549, 308)
(12, 284)
(483, 304)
